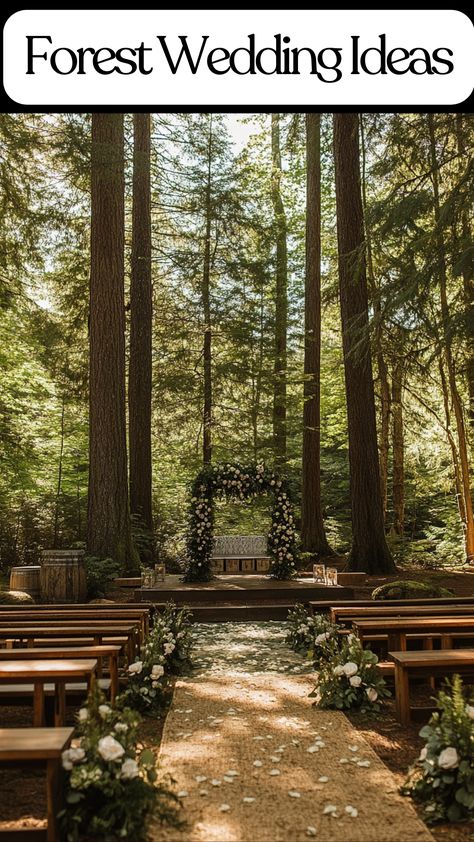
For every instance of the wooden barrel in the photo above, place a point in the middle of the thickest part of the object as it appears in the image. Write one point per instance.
(26, 579)
(63, 576)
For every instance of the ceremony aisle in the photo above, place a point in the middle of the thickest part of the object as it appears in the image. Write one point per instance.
(253, 760)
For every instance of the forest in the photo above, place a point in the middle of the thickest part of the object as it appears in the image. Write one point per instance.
(294, 290)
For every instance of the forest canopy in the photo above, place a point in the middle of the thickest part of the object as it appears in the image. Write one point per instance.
(227, 250)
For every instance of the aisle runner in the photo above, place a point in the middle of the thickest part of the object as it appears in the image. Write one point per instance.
(253, 760)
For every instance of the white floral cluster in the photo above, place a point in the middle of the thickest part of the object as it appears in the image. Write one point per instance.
(349, 677)
(85, 771)
(166, 646)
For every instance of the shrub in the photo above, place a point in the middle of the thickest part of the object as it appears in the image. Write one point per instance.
(99, 573)
(349, 678)
(313, 634)
(442, 778)
(111, 789)
(408, 589)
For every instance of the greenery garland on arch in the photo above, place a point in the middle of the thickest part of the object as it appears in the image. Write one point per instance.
(239, 482)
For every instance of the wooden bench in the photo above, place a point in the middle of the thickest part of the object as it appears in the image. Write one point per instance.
(96, 610)
(397, 629)
(240, 554)
(346, 615)
(425, 664)
(323, 607)
(99, 633)
(83, 622)
(37, 747)
(40, 672)
(109, 652)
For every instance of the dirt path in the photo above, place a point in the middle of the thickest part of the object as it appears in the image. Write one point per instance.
(254, 760)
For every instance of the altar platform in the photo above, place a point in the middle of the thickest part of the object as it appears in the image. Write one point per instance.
(237, 598)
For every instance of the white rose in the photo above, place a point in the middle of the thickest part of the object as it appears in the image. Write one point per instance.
(104, 711)
(157, 671)
(129, 769)
(372, 694)
(355, 681)
(320, 638)
(135, 668)
(470, 711)
(110, 749)
(71, 756)
(448, 759)
(423, 753)
(83, 715)
(121, 727)
(350, 668)
(169, 648)
(339, 670)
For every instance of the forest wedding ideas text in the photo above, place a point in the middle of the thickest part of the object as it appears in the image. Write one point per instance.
(194, 54)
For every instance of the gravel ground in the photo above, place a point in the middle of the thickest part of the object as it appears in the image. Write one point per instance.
(253, 760)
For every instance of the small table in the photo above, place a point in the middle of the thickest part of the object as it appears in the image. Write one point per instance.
(38, 747)
(40, 673)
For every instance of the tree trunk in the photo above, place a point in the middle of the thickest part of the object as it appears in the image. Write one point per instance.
(281, 302)
(452, 445)
(206, 303)
(141, 311)
(448, 354)
(313, 536)
(468, 285)
(60, 478)
(398, 487)
(108, 527)
(369, 550)
(382, 370)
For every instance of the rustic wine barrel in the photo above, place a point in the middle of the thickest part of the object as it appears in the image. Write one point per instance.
(26, 579)
(63, 576)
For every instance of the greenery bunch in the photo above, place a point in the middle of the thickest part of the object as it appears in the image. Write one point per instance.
(442, 777)
(165, 651)
(313, 634)
(349, 678)
(239, 482)
(112, 788)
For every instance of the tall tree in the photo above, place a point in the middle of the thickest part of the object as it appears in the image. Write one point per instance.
(313, 535)
(398, 481)
(141, 311)
(206, 306)
(369, 550)
(108, 527)
(449, 360)
(467, 276)
(281, 300)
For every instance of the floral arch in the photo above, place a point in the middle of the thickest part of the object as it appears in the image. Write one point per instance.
(239, 482)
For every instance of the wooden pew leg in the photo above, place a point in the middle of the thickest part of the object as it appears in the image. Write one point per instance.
(402, 695)
(428, 646)
(113, 669)
(60, 703)
(446, 641)
(38, 705)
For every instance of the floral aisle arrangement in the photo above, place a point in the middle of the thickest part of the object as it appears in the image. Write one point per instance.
(443, 776)
(239, 482)
(313, 634)
(112, 788)
(349, 678)
(165, 652)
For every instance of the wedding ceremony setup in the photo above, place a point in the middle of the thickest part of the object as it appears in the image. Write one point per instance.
(237, 448)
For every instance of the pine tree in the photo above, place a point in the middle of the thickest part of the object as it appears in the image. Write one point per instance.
(281, 301)
(140, 366)
(108, 521)
(313, 535)
(369, 551)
